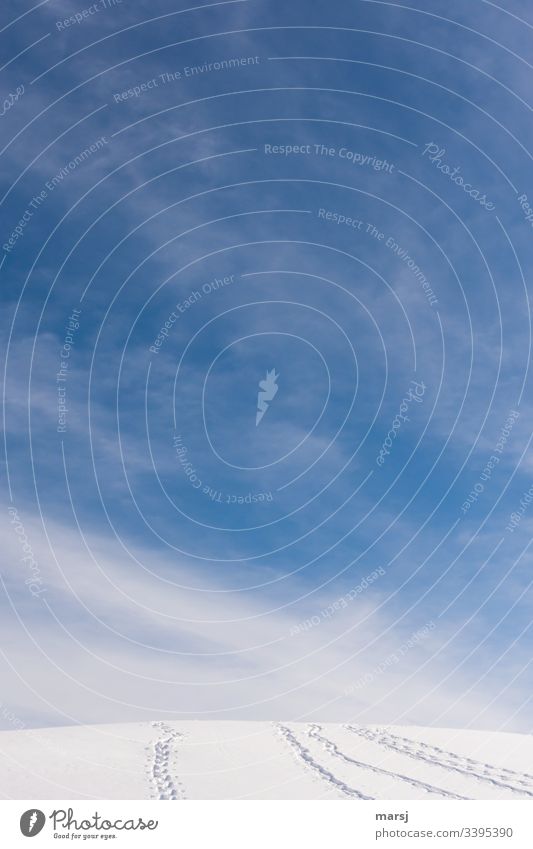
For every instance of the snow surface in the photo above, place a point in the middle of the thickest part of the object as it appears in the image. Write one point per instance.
(263, 760)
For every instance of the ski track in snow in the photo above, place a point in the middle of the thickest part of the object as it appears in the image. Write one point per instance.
(303, 755)
(164, 785)
(497, 776)
(333, 749)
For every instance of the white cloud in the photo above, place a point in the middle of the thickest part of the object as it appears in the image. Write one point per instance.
(131, 641)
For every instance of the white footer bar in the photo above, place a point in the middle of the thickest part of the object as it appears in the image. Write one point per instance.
(347, 824)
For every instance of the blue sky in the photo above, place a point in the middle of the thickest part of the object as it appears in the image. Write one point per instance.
(193, 197)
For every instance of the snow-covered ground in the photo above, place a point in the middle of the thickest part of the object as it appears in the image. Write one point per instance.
(263, 760)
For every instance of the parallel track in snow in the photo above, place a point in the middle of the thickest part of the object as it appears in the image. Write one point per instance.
(304, 756)
(450, 761)
(333, 749)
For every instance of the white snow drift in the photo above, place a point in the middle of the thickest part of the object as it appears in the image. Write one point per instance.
(263, 760)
